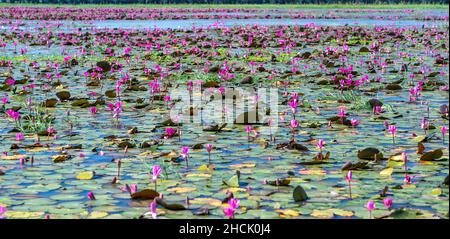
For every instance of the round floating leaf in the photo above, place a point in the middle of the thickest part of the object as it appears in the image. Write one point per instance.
(387, 172)
(23, 215)
(182, 190)
(206, 201)
(300, 194)
(14, 157)
(325, 214)
(288, 213)
(85, 175)
(432, 155)
(233, 182)
(145, 194)
(243, 165)
(170, 206)
(198, 175)
(96, 215)
(370, 154)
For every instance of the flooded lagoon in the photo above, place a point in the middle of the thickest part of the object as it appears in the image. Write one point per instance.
(295, 117)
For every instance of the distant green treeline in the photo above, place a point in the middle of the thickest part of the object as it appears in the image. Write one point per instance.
(228, 1)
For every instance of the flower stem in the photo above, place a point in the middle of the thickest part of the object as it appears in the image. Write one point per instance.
(350, 189)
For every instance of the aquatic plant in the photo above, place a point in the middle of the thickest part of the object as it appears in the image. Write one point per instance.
(444, 133)
(388, 203)
(153, 207)
(209, 148)
(185, 155)
(233, 205)
(156, 171)
(370, 207)
(294, 125)
(3, 210)
(393, 130)
(91, 196)
(349, 178)
(57, 78)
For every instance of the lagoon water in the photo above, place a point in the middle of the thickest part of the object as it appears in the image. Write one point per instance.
(54, 189)
(185, 24)
(66, 26)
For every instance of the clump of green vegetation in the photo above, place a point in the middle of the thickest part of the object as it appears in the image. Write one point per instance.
(48, 58)
(36, 121)
(284, 57)
(222, 52)
(258, 59)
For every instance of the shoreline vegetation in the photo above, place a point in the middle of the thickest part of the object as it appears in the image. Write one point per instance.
(247, 6)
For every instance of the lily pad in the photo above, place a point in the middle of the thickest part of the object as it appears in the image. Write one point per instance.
(299, 194)
(145, 194)
(432, 155)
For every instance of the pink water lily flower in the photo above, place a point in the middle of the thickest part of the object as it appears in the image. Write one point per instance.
(424, 124)
(156, 171)
(388, 203)
(184, 151)
(234, 203)
(153, 207)
(3, 210)
(93, 110)
(349, 176)
(170, 132)
(393, 130)
(293, 104)
(222, 90)
(19, 137)
(209, 148)
(10, 82)
(167, 98)
(354, 122)
(408, 179)
(13, 114)
(370, 207)
(133, 188)
(320, 144)
(91, 196)
(377, 110)
(444, 132)
(231, 209)
(294, 124)
(185, 155)
(5, 100)
(248, 129)
(21, 161)
(229, 212)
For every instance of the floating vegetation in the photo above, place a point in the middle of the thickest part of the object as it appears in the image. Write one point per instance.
(238, 118)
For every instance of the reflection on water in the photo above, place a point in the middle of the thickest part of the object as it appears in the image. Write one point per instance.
(63, 26)
(174, 24)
